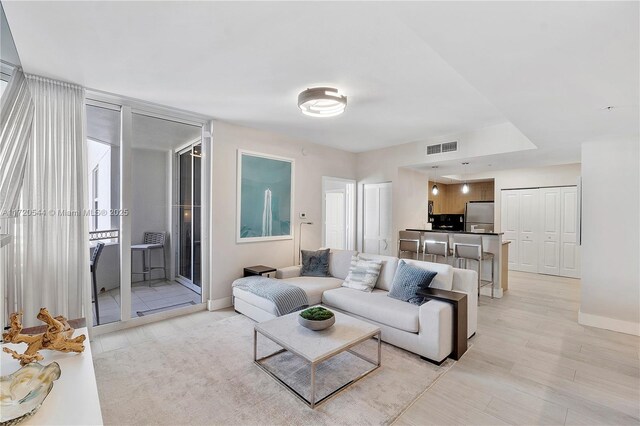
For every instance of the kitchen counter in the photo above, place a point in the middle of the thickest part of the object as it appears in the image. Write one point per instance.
(455, 232)
(492, 243)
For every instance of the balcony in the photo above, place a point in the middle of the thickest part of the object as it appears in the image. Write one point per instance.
(147, 297)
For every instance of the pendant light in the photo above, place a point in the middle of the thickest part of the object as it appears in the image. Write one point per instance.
(434, 188)
(465, 186)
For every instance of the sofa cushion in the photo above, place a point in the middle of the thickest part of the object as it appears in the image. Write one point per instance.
(340, 262)
(444, 279)
(315, 263)
(314, 286)
(388, 271)
(363, 274)
(408, 281)
(375, 306)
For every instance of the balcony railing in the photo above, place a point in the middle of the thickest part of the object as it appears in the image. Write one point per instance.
(107, 234)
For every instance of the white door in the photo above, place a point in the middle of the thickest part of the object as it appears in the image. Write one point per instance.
(549, 231)
(335, 223)
(377, 226)
(511, 224)
(569, 251)
(528, 231)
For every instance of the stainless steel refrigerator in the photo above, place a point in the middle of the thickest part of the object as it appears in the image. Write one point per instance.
(479, 215)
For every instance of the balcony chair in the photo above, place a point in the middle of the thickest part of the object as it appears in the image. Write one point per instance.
(93, 262)
(151, 241)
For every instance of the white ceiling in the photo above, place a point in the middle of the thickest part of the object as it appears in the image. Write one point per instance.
(411, 71)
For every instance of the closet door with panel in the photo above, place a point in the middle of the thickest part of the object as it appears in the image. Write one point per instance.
(549, 231)
(569, 252)
(378, 238)
(511, 225)
(528, 231)
(542, 225)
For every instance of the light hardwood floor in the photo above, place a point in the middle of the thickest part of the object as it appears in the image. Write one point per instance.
(532, 363)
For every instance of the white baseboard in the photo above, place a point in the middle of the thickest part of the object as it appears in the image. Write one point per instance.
(215, 304)
(607, 323)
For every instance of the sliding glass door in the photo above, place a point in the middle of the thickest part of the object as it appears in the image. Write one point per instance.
(188, 217)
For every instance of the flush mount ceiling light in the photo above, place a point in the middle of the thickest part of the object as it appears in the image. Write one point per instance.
(322, 102)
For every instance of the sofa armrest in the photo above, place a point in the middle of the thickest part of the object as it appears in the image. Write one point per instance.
(436, 329)
(466, 281)
(288, 272)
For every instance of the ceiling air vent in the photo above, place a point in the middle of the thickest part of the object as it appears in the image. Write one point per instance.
(434, 149)
(442, 147)
(450, 146)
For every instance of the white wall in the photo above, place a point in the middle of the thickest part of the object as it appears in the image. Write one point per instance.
(99, 155)
(562, 175)
(150, 204)
(610, 236)
(409, 189)
(228, 257)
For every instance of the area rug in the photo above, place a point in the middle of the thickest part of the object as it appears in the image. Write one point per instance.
(207, 377)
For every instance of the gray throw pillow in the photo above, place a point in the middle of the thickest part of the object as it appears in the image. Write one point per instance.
(315, 263)
(408, 280)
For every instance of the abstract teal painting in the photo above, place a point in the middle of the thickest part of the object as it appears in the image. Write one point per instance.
(265, 197)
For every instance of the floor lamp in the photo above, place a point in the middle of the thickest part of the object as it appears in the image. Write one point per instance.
(300, 242)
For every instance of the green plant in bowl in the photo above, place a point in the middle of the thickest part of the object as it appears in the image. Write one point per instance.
(316, 313)
(316, 318)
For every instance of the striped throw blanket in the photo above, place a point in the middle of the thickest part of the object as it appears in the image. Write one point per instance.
(286, 297)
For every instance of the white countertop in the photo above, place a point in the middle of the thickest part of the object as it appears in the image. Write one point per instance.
(74, 397)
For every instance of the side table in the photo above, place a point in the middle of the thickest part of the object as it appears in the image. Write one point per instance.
(459, 303)
(258, 270)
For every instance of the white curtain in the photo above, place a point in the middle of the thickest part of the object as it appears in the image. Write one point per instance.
(16, 115)
(48, 262)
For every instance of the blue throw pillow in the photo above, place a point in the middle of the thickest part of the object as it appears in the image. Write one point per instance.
(408, 280)
(315, 263)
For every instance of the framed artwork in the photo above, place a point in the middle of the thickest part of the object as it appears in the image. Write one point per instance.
(265, 197)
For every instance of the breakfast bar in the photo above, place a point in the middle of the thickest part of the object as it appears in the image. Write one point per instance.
(492, 243)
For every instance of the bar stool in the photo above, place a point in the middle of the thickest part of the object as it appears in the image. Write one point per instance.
(409, 242)
(151, 241)
(436, 244)
(93, 264)
(469, 247)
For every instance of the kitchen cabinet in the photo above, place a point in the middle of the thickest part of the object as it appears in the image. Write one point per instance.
(451, 200)
(541, 224)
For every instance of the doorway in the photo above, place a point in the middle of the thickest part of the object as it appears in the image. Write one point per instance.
(338, 213)
(132, 175)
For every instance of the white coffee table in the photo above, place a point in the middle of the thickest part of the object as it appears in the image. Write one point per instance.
(314, 347)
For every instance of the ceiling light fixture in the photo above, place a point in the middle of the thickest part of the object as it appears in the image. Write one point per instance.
(322, 102)
(465, 187)
(434, 188)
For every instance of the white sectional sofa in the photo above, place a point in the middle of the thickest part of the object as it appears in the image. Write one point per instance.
(426, 330)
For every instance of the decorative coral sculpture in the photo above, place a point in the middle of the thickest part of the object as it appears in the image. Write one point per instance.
(58, 337)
